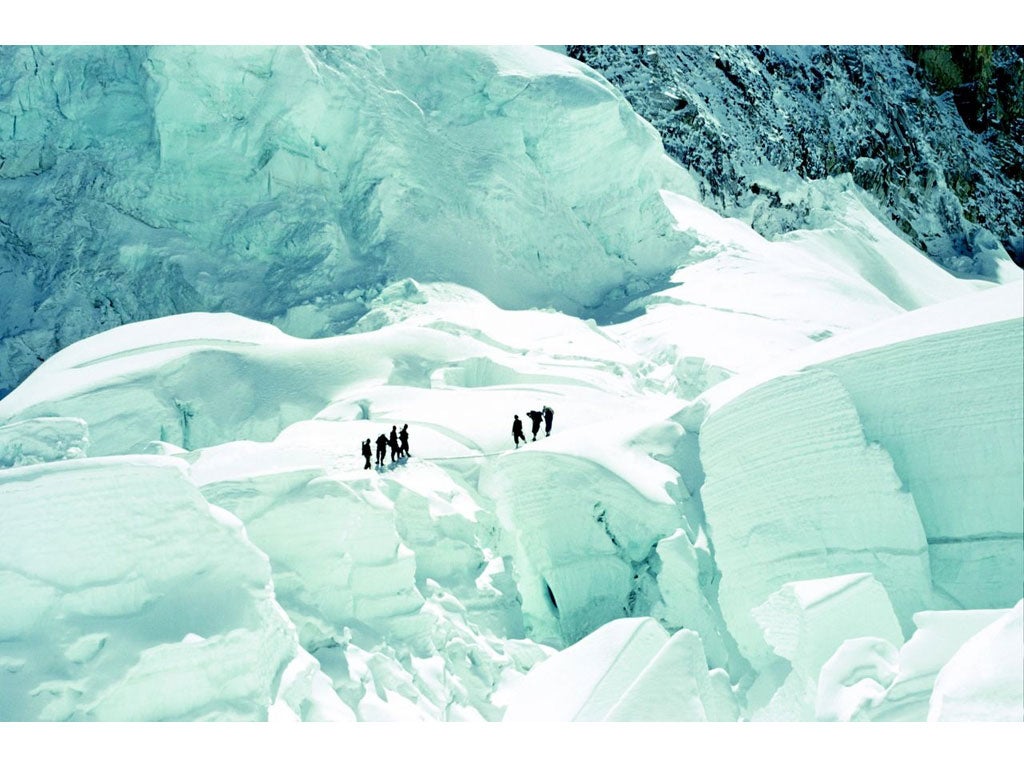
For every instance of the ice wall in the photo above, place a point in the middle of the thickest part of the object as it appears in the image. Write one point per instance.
(932, 401)
(289, 184)
(580, 538)
(949, 409)
(793, 491)
(126, 596)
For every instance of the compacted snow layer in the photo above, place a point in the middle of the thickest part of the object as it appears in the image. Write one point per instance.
(940, 407)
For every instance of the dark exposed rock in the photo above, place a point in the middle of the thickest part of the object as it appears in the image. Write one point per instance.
(933, 133)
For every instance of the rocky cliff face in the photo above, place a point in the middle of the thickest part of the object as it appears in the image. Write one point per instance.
(733, 114)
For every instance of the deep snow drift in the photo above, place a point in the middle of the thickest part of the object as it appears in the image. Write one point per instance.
(794, 499)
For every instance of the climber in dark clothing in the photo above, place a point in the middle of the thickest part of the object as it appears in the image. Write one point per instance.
(549, 416)
(535, 417)
(403, 441)
(367, 452)
(393, 442)
(382, 449)
(517, 430)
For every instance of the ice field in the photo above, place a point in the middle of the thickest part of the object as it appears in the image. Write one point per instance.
(184, 499)
(785, 484)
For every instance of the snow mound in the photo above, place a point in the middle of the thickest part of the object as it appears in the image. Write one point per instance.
(984, 680)
(628, 670)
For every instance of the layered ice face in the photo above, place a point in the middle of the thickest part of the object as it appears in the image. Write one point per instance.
(291, 184)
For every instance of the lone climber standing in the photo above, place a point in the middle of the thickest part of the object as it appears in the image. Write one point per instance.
(535, 417)
(366, 452)
(517, 430)
(549, 416)
(403, 441)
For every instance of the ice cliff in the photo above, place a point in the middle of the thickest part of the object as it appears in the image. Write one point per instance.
(290, 184)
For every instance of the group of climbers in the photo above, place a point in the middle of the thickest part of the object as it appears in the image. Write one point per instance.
(397, 441)
(546, 414)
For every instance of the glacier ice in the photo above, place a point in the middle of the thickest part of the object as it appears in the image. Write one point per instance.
(797, 454)
(628, 670)
(782, 503)
(984, 680)
(432, 589)
(290, 184)
(128, 598)
(807, 622)
(938, 635)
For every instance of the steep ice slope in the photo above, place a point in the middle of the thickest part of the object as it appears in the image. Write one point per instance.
(290, 184)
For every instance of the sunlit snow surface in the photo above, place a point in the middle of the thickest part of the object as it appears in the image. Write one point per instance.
(788, 489)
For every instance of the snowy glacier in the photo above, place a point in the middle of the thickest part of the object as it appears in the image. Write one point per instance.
(783, 480)
(290, 184)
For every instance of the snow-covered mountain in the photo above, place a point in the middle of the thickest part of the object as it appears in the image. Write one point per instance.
(754, 121)
(783, 479)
